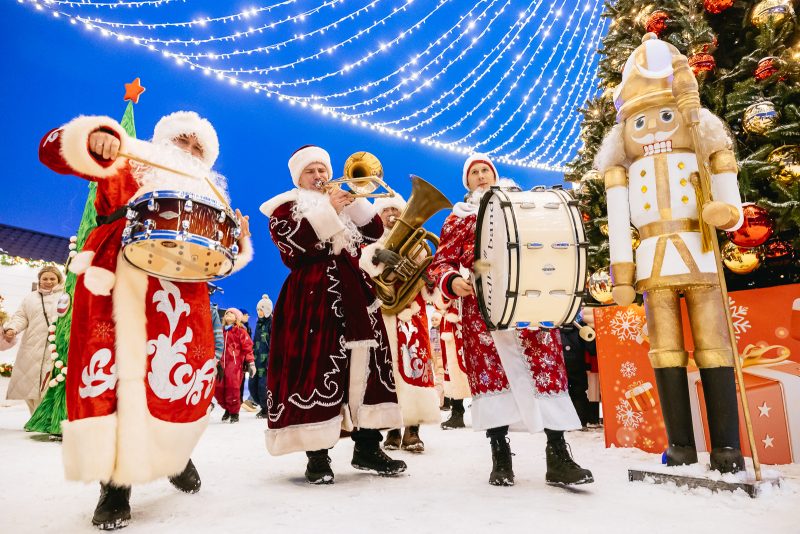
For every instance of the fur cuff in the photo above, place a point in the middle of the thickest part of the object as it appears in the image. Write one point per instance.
(365, 262)
(443, 284)
(89, 448)
(447, 336)
(380, 416)
(81, 261)
(410, 311)
(360, 211)
(308, 437)
(99, 281)
(451, 317)
(324, 220)
(75, 145)
(245, 255)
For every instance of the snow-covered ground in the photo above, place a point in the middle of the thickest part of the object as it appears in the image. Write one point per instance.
(444, 490)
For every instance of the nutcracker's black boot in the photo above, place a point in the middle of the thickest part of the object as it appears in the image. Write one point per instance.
(456, 419)
(318, 470)
(393, 439)
(673, 390)
(188, 481)
(411, 441)
(719, 387)
(561, 468)
(113, 509)
(368, 455)
(502, 470)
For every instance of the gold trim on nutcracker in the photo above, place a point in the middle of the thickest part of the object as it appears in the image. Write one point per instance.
(663, 195)
(623, 273)
(708, 358)
(665, 329)
(712, 345)
(659, 228)
(685, 254)
(615, 176)
(676, 281)
(723, 161)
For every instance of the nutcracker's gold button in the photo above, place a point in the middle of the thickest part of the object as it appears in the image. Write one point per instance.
(643, 173)
(644, 189)
(685, 199)
(681, 165)
(684, 182)
(647, 206)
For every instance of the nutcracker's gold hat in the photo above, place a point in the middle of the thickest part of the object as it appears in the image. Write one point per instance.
(646, 78)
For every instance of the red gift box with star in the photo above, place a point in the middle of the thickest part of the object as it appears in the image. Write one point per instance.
(773, 399)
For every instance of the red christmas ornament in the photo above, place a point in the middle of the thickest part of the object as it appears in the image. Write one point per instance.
(702, 62)
(657, 22)
(756, 228)
(716, 7)
(778, 253)
(586, 217)
(766, 68)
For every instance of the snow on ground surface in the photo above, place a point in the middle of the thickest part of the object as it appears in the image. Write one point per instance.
(445, 490)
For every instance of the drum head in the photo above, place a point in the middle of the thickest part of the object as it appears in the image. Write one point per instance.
(167, 256)
(495, 261)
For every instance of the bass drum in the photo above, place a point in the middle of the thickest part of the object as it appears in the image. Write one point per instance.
(530, 258)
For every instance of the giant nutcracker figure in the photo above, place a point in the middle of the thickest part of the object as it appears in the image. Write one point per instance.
(651, 167)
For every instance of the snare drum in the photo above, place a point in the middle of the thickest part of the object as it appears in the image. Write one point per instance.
(180, 236)
(530, 253)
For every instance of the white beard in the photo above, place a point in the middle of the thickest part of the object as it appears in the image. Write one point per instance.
(167, 154)
(348, 239)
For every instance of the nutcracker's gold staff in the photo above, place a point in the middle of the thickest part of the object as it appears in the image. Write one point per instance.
(686, 93)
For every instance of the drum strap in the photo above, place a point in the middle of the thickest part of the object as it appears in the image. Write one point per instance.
(115, 215)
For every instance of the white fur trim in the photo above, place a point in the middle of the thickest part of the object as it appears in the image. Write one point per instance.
(451, 317)
(98, 280)
(359, 372)
(269, 207)
(365, 262)
(360, 211)
(714, 134)
(75, 148)
(612, 150)
(462, 210)
(245, 255)
(447, 336)
(308, 437)
(410, 311)
(325, 221)
(397, 201)
(380, 416)
(88, 449)
(305, 157)
(431, 297)
(81, 261)
(189, 123)
(477, 157)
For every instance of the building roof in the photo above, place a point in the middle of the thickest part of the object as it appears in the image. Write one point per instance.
(33, 245)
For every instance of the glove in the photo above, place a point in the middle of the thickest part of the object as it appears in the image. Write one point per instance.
(252, 369)
(220, 371)
(386, 257)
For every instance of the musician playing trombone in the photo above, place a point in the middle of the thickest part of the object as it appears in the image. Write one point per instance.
(517, 377)
(129, 422)
(330, 368)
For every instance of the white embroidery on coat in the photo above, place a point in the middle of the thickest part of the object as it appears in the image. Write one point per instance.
(95, 380)
(284, 230)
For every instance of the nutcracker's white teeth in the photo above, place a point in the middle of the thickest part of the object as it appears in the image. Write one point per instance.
(657, 148)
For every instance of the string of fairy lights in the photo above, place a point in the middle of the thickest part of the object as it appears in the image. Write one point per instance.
(496, 76)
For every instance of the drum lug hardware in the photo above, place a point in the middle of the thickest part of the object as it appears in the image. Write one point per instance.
(219, 237)
(188, 207)
(573, 202)
(583, 244)
(152, 205)
(221, 217)
(532, 293)
(237, 232)
(552, 205)
(538, 188)
(559, 292)
(149, 226)
(511, 294)
(558, 186)
(534, 246)
(560, 245)
(512, 246)
(235, 250)
(527, 205)
(504, 204)
(185, 225)
(130, 214)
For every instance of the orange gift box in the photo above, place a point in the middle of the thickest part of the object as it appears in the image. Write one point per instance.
(773, 400)
(762, 317)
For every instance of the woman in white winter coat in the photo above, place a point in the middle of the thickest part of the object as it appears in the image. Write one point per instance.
(31, 374)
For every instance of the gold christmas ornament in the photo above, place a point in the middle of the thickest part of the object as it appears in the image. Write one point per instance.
(741, 260)
(760, 117)
(604, 229)
(774, 12)
(788, 157)
(635, 239)
(600, 286)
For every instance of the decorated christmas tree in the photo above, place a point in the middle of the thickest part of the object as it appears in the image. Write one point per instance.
(746, 57)
(53, 408)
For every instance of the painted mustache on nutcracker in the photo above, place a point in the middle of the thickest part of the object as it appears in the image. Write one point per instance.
(655, 143)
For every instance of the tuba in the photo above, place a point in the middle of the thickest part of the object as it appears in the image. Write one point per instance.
(363, 175)
(398, 286)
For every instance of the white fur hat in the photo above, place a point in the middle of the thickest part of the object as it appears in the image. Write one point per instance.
(305, 156)
(189, 123)
(396, 201)
(478, 157)
(265, 305)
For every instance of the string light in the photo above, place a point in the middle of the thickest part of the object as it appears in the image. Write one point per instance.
(484, 87)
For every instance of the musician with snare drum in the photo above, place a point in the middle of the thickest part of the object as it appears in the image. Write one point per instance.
(517, 375)
(330, 368)
(141, 351)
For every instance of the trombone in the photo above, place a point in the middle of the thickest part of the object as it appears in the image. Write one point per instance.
(363, 175)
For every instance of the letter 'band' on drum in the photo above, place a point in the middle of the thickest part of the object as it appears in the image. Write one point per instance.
(533, 249)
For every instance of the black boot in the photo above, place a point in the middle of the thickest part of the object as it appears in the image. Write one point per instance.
(262, 414)
(226, 415)
(113, 509)
(447, 404)
(719, 386)
(393, 439)
(456, 416)
(502, 470)
(188, 481)
(673, 390)
(411, 441)
(368, 455)
(561, 468)
(318, 470)
(234, 418)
